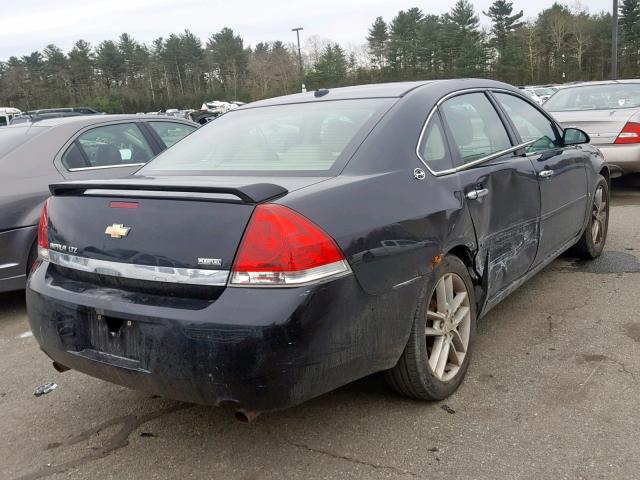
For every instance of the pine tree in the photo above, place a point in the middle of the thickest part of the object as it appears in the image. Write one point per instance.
(110, 63)
(463, 39)
(331, 68)
(81, 70)
(630, 36)
(504, 22)
(404, 47)
(377, 42)
(504, 26)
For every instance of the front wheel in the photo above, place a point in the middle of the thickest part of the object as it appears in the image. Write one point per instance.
(594, 237)
(436, 357)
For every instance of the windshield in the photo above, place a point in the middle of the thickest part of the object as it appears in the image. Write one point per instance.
(12, 137)
(595, 97)
(299, 139)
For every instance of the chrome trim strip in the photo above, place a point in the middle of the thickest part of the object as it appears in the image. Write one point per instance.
(98, 192)
(103, 167)
(8, 265)
(190, 276)
(466, 166)
(311, 276)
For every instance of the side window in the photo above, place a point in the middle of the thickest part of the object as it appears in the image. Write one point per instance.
(433, 146)
(171, 132)
(476, 127)
(109, 146)
(3, 121)
(73, 158)
(531, 124)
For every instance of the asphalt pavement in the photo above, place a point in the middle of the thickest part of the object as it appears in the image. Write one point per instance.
(551, 393)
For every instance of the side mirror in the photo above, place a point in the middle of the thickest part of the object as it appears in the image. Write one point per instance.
(574, 136)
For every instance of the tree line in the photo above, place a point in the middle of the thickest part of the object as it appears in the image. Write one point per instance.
(561, 44)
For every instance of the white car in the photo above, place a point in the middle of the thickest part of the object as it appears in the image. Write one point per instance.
(539, 94)
(6, 114)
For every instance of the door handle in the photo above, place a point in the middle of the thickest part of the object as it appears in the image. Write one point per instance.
(478, 193)
(546, 174)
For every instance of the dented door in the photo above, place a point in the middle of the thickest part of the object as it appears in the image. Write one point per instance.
(501, 194)
(506, 218)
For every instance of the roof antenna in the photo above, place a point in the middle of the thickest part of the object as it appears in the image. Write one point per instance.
(321, 92)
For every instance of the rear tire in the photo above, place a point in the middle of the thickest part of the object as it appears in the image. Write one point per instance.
(594, 237)
(438, 351)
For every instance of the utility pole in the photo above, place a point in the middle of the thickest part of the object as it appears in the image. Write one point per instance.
(614, 42)
(297, 30)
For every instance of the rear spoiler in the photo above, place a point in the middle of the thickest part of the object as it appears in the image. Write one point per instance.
(254, 193)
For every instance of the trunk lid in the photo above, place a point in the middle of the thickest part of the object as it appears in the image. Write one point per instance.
(147, 232)
(603, 126)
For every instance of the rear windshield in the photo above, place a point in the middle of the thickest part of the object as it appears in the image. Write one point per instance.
(595, 97)
(300, 139)
(12, 137)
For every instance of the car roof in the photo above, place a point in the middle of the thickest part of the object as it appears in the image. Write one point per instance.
(601, 82)
(86, 120)
(374, 90)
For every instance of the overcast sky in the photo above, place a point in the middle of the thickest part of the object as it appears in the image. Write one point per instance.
(29, 25)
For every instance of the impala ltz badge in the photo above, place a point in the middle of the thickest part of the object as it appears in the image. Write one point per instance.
(117, 230)
(212, 262)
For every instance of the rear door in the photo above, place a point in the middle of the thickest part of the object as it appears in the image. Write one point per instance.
(500, 189)
(561, 170)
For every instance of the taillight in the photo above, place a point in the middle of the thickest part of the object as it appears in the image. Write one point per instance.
(629, 134)
(43, 233)
(282, 248)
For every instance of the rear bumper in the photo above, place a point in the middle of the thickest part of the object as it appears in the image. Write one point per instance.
(259, 349)
(14, 252)
(623, 159)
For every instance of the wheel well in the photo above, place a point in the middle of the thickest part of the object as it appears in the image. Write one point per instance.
(604, 171)
(464, 254)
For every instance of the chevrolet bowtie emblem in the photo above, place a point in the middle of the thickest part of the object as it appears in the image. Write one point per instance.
(117, 230)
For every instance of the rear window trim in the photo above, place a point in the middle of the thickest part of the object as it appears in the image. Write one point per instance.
(479, 161)
(104, 167)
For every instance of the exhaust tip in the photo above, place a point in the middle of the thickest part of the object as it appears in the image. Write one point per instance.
(59, 367)
(246, 417)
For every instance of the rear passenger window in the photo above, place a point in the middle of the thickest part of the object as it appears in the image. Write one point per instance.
(170, 132)
(531, 124)
(108, 146)
(475, 125)
(433, 146)
(73, 158)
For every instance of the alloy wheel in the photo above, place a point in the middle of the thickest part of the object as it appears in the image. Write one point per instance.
(599, 216)
(448, 326)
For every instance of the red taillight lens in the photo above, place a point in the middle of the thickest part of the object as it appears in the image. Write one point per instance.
(629, 134)
(43, 226)
(43, 232)
(128, 205)
(281, 247)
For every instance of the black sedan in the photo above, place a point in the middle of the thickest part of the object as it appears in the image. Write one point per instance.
(303, 242)
(36, 154)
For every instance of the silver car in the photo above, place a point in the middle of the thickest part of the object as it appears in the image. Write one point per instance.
(35, 154)
(610, 113)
